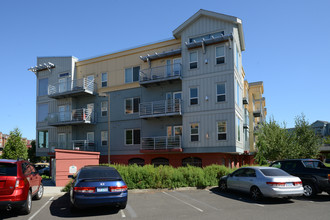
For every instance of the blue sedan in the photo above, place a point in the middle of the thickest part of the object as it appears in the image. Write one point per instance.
(98, 186)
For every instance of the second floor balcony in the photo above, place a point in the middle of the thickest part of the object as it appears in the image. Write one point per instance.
(69, 88)
(74, 117)
(161, 144)
(80, 145)
(160, 108)
(160, 74)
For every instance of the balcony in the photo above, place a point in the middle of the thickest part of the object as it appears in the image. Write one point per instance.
(159, 74)
(72, 88)
(80, 145)
(161, 144)
(74, 117)
(160, 108)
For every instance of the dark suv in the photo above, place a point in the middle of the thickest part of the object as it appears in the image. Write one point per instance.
(19, 183)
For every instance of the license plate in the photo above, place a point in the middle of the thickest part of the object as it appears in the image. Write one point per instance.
(103, 189)
(289, 184)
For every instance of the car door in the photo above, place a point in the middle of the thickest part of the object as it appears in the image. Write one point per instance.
(35, 179)
(248, 179)
(233, 180)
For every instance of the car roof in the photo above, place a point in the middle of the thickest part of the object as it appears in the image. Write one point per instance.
(96, 167)
(260, 168)
(8, 160)
(297, 160)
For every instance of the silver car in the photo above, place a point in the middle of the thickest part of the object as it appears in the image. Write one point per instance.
(263, 181)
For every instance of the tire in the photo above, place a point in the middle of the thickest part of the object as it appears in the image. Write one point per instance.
(309, 190)
(255, 193)
(73, 209)
(40, 192)
(222, 186)
(26, 209)
(123, 205)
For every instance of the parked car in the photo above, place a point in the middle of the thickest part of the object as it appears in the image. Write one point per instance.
(262, 181)
(98, 186)
(314, 174)
(19, 183)
(44, 171)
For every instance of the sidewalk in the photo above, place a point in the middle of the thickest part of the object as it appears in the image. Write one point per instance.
(51, 190)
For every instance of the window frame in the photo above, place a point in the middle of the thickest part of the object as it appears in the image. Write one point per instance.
(191, 62)
(238, 129)
(104, 81)
(41, 90)
(224, 55)
(193, 98)
(45, 138)
(40, 107)
(104, 138)
(104, 109)
(191, 134)
(132, 103)
(220, 94)
(132, 74)
(133, 139)
(219, 133)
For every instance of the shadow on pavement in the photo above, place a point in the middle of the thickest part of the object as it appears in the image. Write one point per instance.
(244, 197)
(61, 208)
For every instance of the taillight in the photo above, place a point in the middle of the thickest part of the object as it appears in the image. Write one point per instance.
(276, 183)
(84, 189)
(118, 188)
(20, 183)
(297, 183)
(329, 177)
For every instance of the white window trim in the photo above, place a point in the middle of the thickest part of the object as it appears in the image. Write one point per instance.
(197, 97)
(106, 108)
(196, 51)
(105, 80)
(217, 128)
(106, 132)
(216, 92)
(195, 134)
(238, 127)
(224, 55)
(132, 76)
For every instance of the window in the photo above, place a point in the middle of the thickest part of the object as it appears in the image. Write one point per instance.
(207, 36)
(160, 161)
(132, 74)
(221, 92)
(104, 108)
(43, 87)
(132, 105)
(238, 129)
(104, 79)
(193, 96)
(194, 133)
(192, 161)
(238, 94)
(174, 131)
(137, 161)
(222, 130)
(42, 112)
(132, 136)
(193, 60)
(104, 138)
(43, 139)
(220, 55)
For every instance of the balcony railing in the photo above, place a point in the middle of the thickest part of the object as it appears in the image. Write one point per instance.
(160, 108)
(76, 116)
(165, 143)
(72, 88)
(81, 145)
(161, 73)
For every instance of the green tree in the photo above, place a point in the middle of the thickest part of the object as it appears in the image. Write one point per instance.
(32, 152)
(326, 140)
(15, 147)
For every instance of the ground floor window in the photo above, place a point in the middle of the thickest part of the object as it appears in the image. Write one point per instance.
(192, 161)
(43, 139)
(160, 161)
(137, 161)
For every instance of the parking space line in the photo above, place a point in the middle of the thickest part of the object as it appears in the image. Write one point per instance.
(184, 202)
(36, 213)
(122, 214)
(131, 211)
(203, 203)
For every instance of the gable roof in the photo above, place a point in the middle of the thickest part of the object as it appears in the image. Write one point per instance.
(223, 17)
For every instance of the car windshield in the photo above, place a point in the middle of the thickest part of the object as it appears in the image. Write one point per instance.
(274, 172)
(96, 173)
(8, 169)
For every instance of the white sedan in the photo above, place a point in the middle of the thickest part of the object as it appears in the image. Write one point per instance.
(263, 181)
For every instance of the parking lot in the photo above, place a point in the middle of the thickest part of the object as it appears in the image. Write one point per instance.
(185, 204)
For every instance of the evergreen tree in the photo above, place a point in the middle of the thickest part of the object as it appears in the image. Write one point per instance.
(15, 147)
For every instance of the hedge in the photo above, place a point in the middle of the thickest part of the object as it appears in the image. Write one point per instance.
(150, 177)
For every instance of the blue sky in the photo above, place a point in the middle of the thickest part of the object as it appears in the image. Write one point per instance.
(287, 46)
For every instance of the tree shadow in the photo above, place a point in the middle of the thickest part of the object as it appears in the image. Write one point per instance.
(245, 197)
(61, 208)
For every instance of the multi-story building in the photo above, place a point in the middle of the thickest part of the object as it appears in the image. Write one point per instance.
(179, 101)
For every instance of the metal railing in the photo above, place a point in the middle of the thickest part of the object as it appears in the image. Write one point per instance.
(161, 108)
(81, 145)
(76, 85)
(82, 115)
(160, 73)
(161, 143)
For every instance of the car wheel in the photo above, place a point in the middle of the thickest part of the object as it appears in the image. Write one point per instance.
(123, 205)
(255, 193)
(223, 186)
(309, 189)
(40, 192)
(73, 208)
(26, 209)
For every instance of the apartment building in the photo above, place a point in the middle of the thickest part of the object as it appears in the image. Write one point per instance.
(179, 101)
